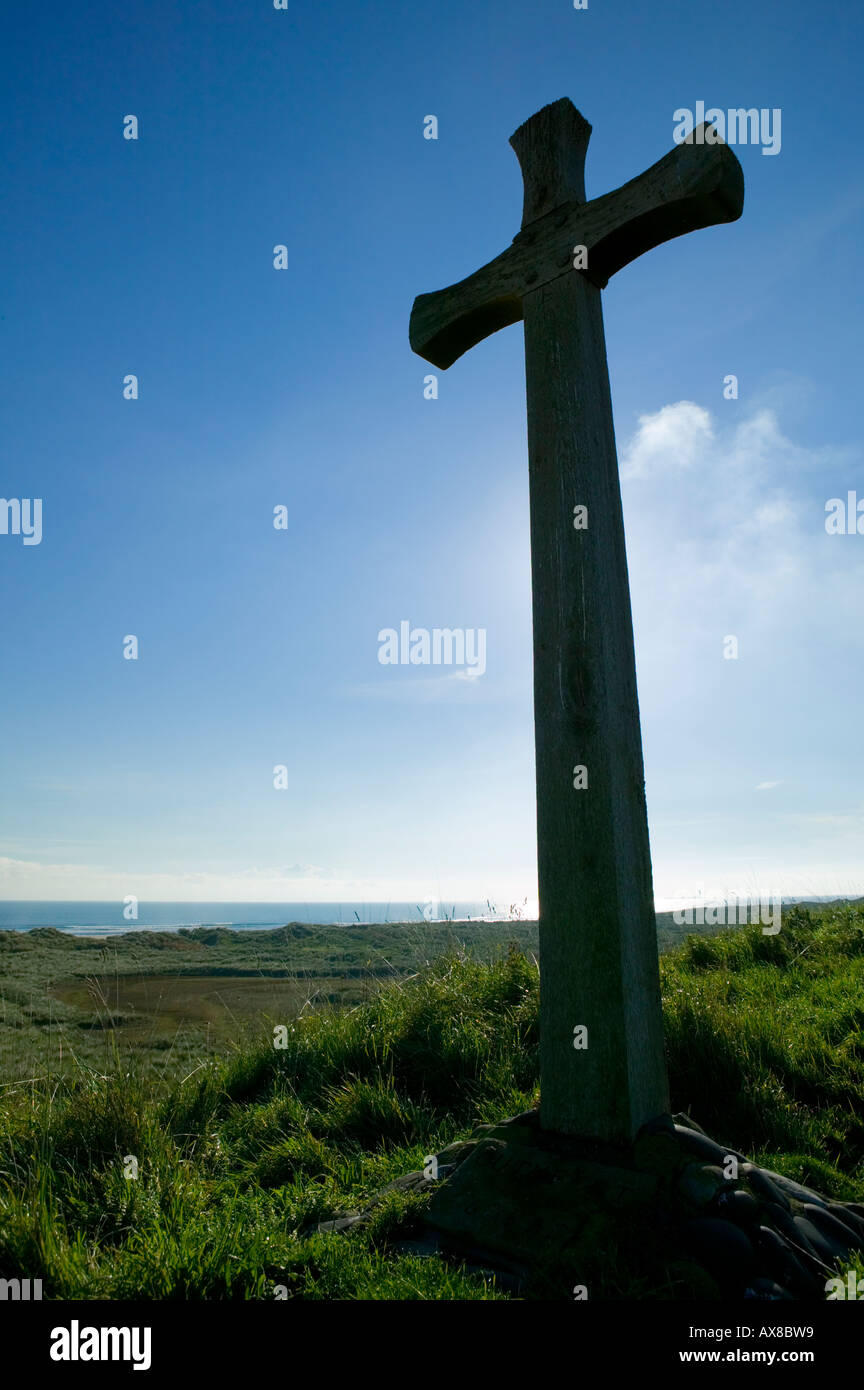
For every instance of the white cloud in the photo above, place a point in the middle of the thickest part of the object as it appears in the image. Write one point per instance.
(737, 543)
(673, 438)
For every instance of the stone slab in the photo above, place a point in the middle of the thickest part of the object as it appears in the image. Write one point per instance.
(529, 1204)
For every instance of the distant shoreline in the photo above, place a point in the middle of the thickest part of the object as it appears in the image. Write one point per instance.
(99, 920)
(110, 917)
(86, 934)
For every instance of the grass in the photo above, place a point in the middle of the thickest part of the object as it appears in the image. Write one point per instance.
(238, 1158)
(167, 998)
(766, 1045)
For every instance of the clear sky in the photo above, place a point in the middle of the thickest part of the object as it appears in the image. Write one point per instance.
(260, 387)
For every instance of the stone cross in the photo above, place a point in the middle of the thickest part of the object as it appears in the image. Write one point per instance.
(602, 1069)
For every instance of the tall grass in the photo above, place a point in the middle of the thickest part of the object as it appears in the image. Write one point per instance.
(237, 1162)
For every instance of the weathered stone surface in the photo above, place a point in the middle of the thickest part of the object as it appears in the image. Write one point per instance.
(514, 1200)
(703, 1147)
(454, 1153)
(738, 1206)
(786, 1267)
(701, 1183)
(833, 1228)
(527, 1119)
(764, 1186)
(685, 1122)
(792, 1189)
(784, 1222)
(528, 1203)
(843, 1212)
(408, 1182)
(340, 1223)
(825, 1248)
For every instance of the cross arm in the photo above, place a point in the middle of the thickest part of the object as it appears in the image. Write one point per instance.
(695, 185)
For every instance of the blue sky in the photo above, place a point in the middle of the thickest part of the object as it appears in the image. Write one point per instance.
(260, 387)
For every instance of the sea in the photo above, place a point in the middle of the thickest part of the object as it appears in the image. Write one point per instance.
(107, 919)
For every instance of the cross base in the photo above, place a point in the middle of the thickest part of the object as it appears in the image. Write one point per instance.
(554, 1217)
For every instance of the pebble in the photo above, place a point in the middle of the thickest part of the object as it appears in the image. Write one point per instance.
(527, 1117)
(826, 1247)
(831, 1226)
(794, 1189)
(700, 1183)
(843, 1213)
(763, 1186)
(703, 1147)
(786, 1223)
(454, 1153)
(831, 1232)
(739, 1207)
(342, 1223)
(686, 1123)
(785, 1266)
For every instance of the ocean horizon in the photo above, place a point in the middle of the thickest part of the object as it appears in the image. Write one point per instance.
(107, 919)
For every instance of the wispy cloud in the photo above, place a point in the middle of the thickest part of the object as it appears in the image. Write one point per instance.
(303, 883)
(418, 689)
(725, 524)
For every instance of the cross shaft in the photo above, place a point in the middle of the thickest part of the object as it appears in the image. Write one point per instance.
(602, 1070)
